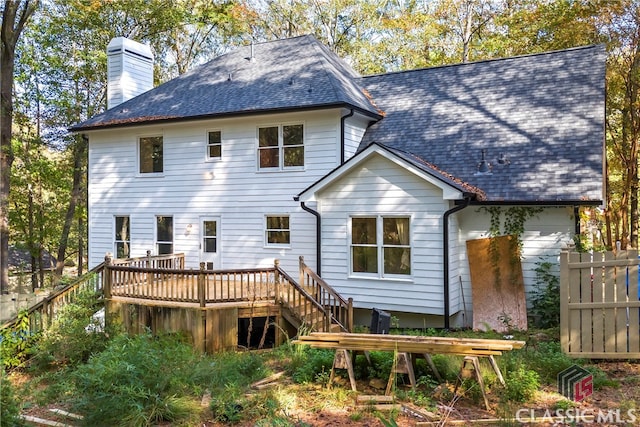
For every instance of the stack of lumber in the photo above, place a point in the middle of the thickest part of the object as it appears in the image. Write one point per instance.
(409, 343)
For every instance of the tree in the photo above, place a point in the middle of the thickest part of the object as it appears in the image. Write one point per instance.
(67, 82)
(15, 15)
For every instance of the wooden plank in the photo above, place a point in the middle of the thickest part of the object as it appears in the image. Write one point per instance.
(575, 326)
(586, 314)
(433, 349)
(497, 284)
(564, 301)
(606, 355)
(610, 313)
(598, 312)
(621, 313)
(378, 337)
(613, 262)
(634, 298)
(374, 398)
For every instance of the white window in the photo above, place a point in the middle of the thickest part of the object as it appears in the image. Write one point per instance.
(164, 235)
(122, 239)
(210, 237)
(380, 245)
(214, 144)
(151, 154)
(281, 147)
(277, 231)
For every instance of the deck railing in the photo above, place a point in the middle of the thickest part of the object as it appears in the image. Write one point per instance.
(312, 300)
(190, 286)
(339, 311)
(41, 314)
(175, 261)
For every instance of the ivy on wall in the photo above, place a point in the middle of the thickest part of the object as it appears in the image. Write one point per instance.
(507, 222)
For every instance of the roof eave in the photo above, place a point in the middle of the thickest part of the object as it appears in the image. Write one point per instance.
(160, 120)
(567, 202)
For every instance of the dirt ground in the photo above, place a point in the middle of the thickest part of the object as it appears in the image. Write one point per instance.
(316, 406)
(610, 405)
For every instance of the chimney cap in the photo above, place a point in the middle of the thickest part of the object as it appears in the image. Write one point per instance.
(123, 44)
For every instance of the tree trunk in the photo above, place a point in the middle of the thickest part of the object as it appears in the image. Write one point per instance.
(79, 151)
(14, 16)
(80, 247)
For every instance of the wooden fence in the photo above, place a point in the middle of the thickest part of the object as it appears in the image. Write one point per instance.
(600, 305)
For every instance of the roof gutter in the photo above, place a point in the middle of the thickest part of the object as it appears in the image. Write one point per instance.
(318, 233)
(342, 120)
(445, 253)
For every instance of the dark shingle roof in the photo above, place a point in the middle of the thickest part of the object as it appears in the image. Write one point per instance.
(433, 170)
(20, 259)
(544, 113)
(296, 73)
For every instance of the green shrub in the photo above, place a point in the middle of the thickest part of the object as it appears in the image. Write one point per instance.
(228, 407)
(600, 378)
(74, 335)
(136, 381)
(9, 404)
(547, 359)
(310, 363)
(521, 384)
(545, 299)
(17, 343)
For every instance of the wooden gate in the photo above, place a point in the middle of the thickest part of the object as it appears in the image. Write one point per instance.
(599, 305)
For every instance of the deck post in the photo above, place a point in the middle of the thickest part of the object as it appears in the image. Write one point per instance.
(276, 278)
(301, 264)
(203, 312)
(350, 314)
(148, 258)
(106, 277)
(201, 284)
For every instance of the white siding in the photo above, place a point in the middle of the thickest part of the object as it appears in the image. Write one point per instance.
(381, 187)
(191, 187)
(354, 129)
(545, 235)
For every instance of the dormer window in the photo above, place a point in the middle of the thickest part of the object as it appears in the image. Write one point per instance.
(281, 147)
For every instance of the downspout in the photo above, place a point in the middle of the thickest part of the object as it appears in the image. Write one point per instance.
(318, 234)
(445, 253)
(342, 120)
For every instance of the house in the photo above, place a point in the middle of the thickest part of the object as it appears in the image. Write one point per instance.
(279, 150)
(20, 268)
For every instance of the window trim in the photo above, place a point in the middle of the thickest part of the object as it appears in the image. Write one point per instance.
(207, 145)
(266, 231)
(281, 147)
(139, 156)
(155, 236)
(380, 246)
(114, 234)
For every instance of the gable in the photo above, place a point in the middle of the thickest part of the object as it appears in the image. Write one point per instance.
(377, 159)
(542, 114)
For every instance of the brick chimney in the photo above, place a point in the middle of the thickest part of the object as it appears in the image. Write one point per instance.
(129, 70)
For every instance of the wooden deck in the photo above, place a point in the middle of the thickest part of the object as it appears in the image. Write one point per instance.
(203, 288)
(209, 304)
